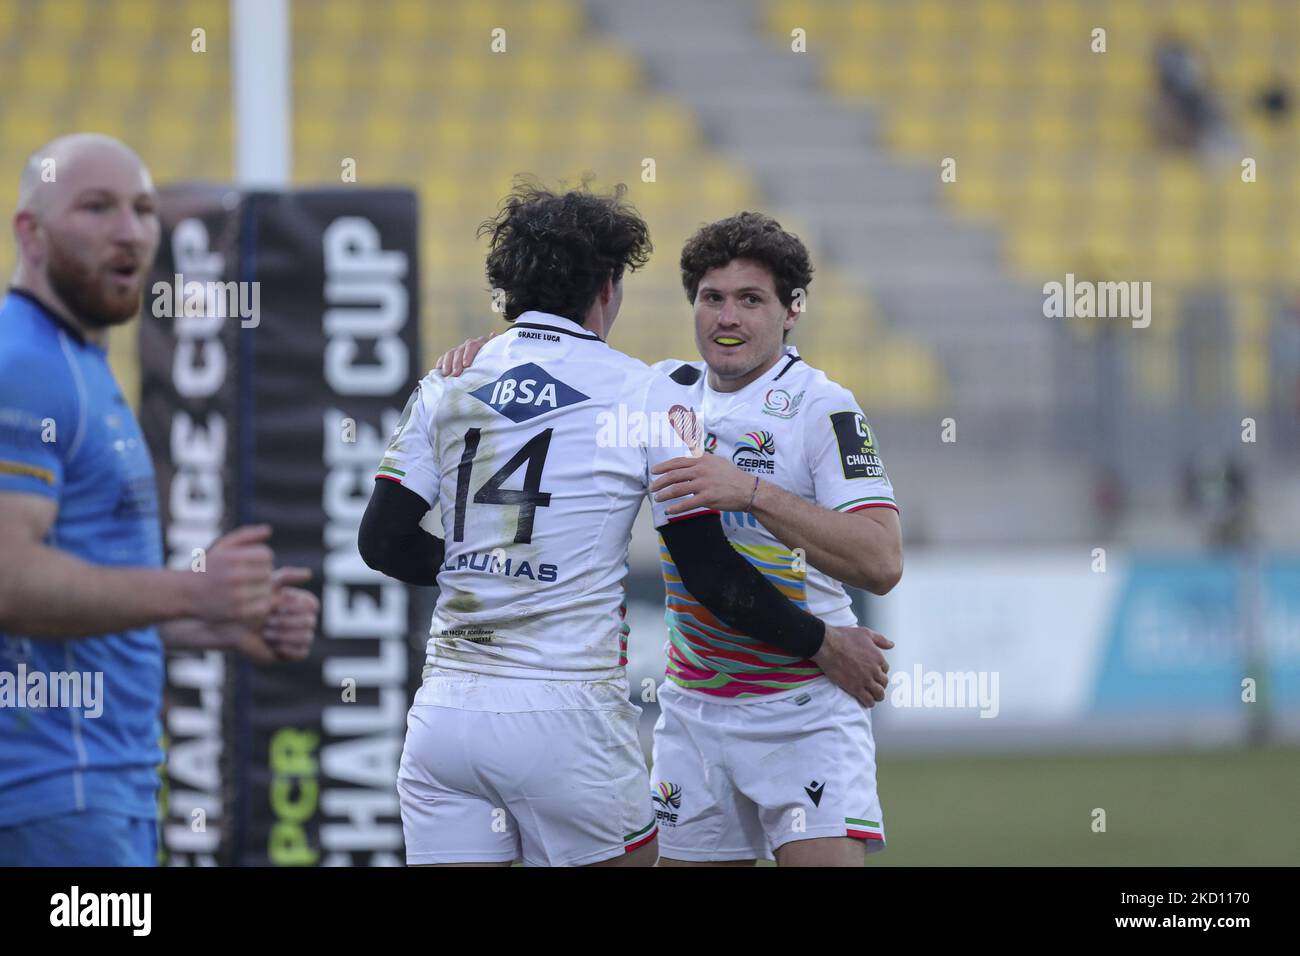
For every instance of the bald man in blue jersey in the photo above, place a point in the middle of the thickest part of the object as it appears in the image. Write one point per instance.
(86, 606)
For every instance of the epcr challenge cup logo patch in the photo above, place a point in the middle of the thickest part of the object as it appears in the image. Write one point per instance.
(857, 446)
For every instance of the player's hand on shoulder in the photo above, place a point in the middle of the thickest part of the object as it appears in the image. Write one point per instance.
(453, 363)
(711, 482)
(854, 660)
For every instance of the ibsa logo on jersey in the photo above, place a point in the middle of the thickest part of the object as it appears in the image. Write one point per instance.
(527, 391)
(754, 453)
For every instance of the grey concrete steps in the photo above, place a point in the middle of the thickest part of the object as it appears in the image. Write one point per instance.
(884, 223)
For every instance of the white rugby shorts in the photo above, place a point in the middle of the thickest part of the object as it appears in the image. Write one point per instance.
(736, 779)
(499, 769)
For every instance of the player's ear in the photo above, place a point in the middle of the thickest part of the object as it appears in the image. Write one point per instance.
(27, 236)
(791, 317)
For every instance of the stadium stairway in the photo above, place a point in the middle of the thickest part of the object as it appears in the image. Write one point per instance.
(882, 223)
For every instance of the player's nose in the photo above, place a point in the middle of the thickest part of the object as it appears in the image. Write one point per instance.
(130, 228)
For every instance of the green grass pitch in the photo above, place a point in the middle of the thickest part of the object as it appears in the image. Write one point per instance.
(1189, 808)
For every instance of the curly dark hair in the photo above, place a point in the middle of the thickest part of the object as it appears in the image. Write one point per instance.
(748, 235)
(553, 251)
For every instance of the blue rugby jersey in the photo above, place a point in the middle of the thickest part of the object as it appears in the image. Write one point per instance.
(55, 760)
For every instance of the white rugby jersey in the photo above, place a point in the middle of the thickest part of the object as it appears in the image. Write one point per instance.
(539, 456)
(797, 429)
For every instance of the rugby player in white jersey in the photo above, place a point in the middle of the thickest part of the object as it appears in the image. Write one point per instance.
(765, 756)
(521, 742)
(757, 753)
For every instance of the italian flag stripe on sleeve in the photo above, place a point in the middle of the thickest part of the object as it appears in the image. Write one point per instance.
(857, 504)
(863, 829)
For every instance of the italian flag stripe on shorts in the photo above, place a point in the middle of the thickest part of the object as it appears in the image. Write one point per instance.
(640, 837)
(863, 829)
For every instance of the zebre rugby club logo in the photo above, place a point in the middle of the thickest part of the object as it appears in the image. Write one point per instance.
(667, 797)
(755, 452)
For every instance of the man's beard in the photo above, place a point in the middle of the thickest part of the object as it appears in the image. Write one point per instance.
(85, 297)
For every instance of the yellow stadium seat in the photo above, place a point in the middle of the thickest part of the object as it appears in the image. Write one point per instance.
(559, 19)
(996, 20)
(1057, 74)
(477, 21)
(411, 90)
(1123, 20)
(915, 133)
(412, 18)
(667, 125)
(533, 70)
(321, 74)
(606, 69)
(853, 77)
(117, 73)
(1054, 131)
(343, 18)
(863, 20)
(1243, 256)
(975, 193)
(10, 16)
(67, 18)
(136, 19)
(522, 134)
(398, 76)
(48, 76)
(466, 71)
(931, 18)
(991, 71)
(453, 132)
(24, 131)
(1178, 182)
(1174, 255)
(383, 133)
(185, 74)
(1036, 252)
(1255, 19)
